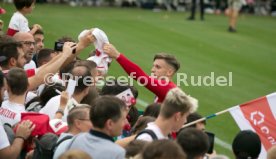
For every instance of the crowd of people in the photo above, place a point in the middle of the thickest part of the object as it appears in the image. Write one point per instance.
(49, 108)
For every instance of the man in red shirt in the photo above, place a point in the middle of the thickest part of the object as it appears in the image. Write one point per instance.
(163, 70)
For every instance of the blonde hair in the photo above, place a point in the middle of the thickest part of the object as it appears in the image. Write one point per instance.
(177, 101)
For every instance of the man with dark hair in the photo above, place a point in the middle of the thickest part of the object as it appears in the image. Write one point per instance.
(15, 56)
(44, 56)
(247, 144)
(193, 117)
(194, 143)
(17, 85)
(163, 70)
(99, 143)
(173, 114)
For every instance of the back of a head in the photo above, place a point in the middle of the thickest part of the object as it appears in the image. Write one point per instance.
(193, 117)
(152, 110)
(246, 144)
(17, 81)
(100, 112)
(83, 77)
(44, 146)
(44, 56)
(20, 4)
(115, 87)
(9, 50)
(163, 149)
(170, 59)
(135, 147)
(194, 142)
(141, 124)
(177, 101)
(271, 153)
(92, 95)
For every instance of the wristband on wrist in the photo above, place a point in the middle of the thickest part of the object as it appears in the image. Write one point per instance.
(60, 111)
(21, 137)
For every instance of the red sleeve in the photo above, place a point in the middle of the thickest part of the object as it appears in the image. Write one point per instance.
(158, 87)
(30, 72)
(11, 32)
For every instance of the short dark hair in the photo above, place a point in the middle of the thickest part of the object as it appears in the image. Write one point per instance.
(152, 110)
(193, 117)
(114, 87)
(44, 55)
(105, 108)
(163, 149)
(141, 124)
(135, 147)
(17, 81)
(170, 59)
(247, 144)
(64, 39)
(9, 50)
(91, 65)
(20, 4)
(194, 142)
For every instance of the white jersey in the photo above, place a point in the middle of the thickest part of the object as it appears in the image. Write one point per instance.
(18, 23)
(11, 112)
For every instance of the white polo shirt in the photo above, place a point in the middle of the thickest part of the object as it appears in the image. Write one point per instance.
(11, 112)
(4, 141)
(152, 126)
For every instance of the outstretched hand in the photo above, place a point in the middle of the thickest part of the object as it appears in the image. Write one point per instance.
(111, 51)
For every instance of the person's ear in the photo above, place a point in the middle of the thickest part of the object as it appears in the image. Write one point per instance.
(109, 124)
(177, 116)
(12, 61)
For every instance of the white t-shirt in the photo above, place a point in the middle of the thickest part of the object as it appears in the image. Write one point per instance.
(11, 112)
(19, 23)
(4, 141)
(152, 126)
(52, 106)
(30, 65)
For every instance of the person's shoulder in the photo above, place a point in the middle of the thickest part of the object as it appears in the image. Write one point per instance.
(144, 137)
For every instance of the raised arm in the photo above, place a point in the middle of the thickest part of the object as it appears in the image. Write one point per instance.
(52, 67)
(158, 87)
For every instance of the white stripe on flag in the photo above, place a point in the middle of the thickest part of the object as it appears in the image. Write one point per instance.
(272, 103)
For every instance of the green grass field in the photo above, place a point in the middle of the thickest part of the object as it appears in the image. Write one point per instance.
(201, 47)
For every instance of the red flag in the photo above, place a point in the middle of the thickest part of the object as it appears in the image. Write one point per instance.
(259, 116)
